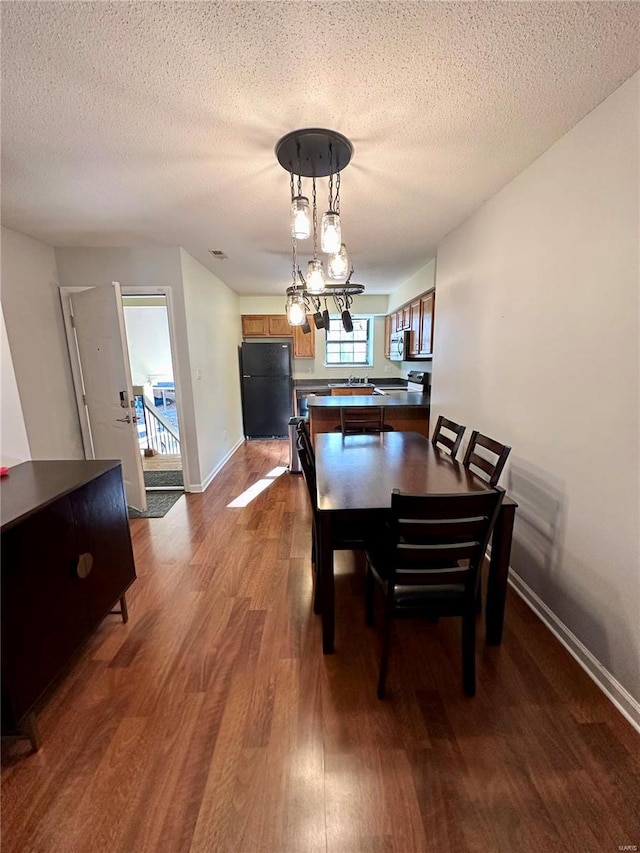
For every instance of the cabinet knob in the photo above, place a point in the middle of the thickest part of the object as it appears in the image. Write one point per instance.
(84, 565)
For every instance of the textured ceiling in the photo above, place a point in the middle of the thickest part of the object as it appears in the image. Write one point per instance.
(155, 123)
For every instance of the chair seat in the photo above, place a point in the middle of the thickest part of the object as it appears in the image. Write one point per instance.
(420, 596)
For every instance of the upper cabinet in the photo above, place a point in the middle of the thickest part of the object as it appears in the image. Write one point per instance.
(255, 325)
(277, 326)
(427, 304)
(417, 318)
(414, 327)
(304, 346)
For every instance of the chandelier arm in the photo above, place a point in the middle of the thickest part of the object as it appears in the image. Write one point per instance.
(315, 222)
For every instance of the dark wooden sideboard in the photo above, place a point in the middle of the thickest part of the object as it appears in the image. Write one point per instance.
(67, 561)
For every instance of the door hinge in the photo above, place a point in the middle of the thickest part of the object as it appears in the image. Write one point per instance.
(73, 321)
(84, 399)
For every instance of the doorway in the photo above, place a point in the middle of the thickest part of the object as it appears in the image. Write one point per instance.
(154, 389)
(96, 335)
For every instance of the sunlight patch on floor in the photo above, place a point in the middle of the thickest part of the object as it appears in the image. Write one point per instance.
(253, 491)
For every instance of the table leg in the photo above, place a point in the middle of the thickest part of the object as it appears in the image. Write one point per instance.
(325, 562)
(498, 573)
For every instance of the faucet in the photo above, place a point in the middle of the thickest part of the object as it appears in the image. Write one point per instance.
(352, 380)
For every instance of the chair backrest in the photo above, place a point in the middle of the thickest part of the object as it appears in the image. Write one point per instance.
(354, 419)
(491, 462)
(451, 442)
(302, 430)
(441, 540)
(308, 472)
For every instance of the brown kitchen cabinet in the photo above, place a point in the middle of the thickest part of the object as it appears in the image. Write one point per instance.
(304, 346)
(417, 317)
(67, 561)
(255, 325)
(414, 322)
(427, 303)
(277, 326)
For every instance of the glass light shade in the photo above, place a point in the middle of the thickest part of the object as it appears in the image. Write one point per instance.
(338, 265)
(295, 311)
(330, 233)
(300, 218)
(315, 276)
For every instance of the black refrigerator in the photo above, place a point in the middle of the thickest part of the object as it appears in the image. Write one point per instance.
(267, 389)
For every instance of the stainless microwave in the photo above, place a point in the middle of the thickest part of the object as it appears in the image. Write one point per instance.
(399, 350)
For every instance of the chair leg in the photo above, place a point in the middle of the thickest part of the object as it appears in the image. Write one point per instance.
(469, 652)
(317, 595)
(369, 589)
(384, 656)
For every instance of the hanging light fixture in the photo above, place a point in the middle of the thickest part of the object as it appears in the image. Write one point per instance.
(317, 153)
(300, 213)
(331, 230)
(315, 273)
(295, 307)
(338, 264)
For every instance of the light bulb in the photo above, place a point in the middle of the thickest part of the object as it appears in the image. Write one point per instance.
(300, 218)
(315, 276)
(295, 311)
(338, 265)
(330, 233)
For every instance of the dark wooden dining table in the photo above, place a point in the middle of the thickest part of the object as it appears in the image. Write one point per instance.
(355, 476)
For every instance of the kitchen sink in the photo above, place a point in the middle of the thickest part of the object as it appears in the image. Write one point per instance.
(350, 384)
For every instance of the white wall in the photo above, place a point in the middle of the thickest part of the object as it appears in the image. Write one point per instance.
(13, 432)
(537, 344)
(149, 344)
(214, 331)
(33, 317)
(418, 284)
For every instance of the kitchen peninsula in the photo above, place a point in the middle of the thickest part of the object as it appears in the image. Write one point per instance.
(404, 411)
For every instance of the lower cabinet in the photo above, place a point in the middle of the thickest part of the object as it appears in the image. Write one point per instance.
(67, 561)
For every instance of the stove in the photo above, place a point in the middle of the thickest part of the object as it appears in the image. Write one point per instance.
(418, 380)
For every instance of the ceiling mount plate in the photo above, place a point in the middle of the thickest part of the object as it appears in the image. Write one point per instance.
(314, 152)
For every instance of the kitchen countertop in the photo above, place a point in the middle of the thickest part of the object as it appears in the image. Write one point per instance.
(408, 398)
(310, 386)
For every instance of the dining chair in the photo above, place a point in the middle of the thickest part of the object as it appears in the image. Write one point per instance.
(429, 565)
(359, 419)
(302, 430)
(343, 537)
(490, 461)
(450, 442)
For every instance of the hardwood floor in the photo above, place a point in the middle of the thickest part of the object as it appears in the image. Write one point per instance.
(212, 721)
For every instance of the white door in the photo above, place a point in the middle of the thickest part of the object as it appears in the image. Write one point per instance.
(104, 361)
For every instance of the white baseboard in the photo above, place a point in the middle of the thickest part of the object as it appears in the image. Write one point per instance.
(612, 689)
(201, 487)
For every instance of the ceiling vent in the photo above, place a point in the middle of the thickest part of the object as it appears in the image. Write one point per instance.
(218, 254)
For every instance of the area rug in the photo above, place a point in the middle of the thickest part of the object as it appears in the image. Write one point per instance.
(158, 504)
(163, 478)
